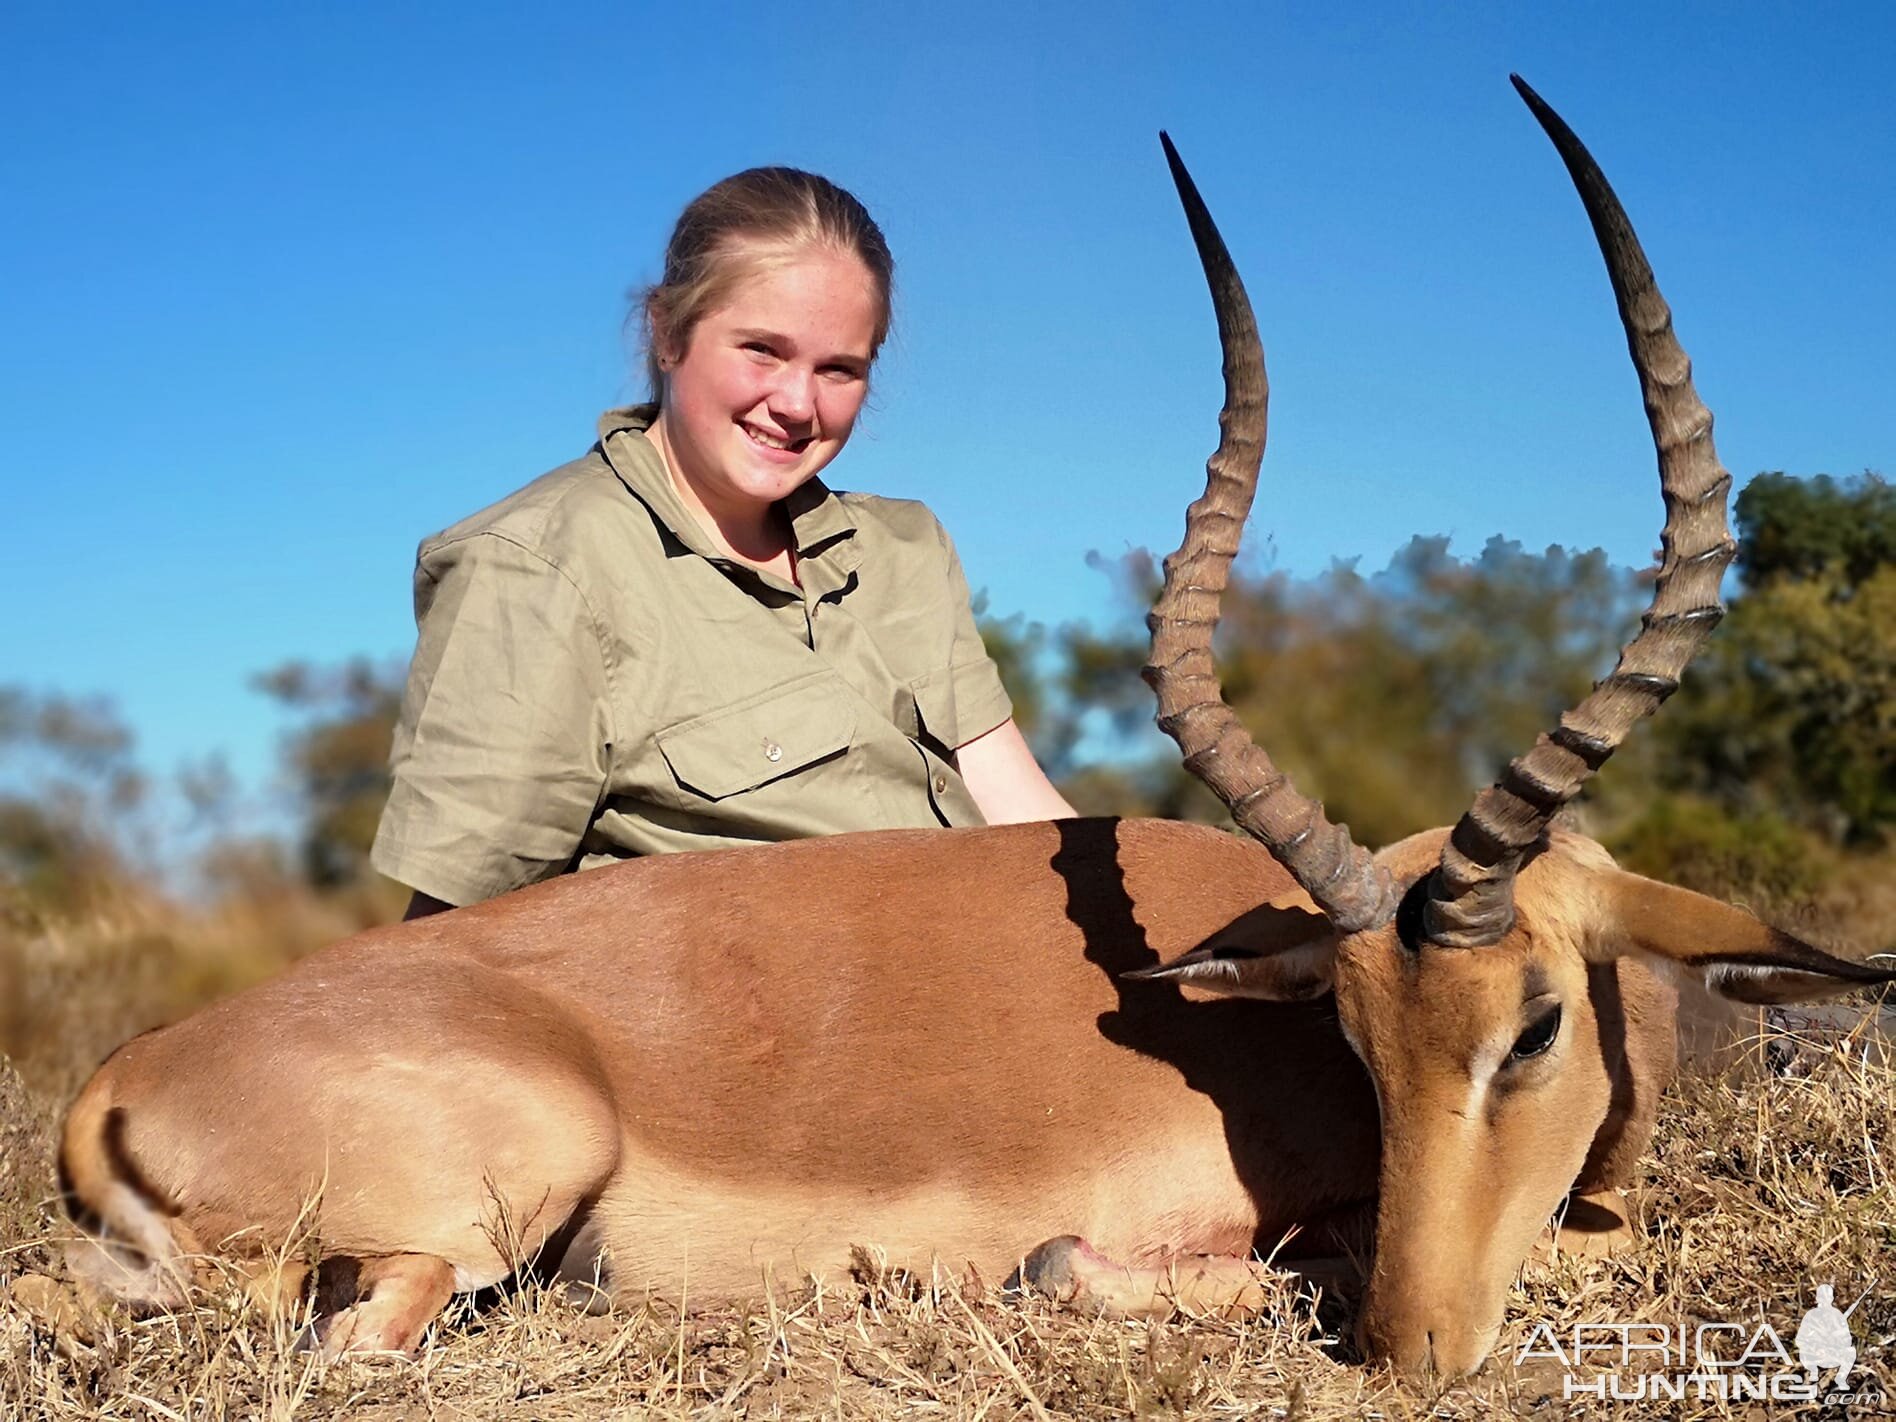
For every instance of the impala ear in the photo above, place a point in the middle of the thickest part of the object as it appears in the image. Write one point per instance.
(1734, 953)
(1278, 954)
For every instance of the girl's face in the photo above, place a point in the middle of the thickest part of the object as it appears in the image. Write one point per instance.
(767, 387)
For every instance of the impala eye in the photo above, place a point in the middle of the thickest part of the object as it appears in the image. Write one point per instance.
(1538, 1037)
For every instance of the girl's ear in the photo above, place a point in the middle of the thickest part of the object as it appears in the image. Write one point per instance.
(1278, 954)
(658, 337)
(1737, 955)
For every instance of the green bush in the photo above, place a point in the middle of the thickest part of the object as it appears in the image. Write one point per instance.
(1760, 857)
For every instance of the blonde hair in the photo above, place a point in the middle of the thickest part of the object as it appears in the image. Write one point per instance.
(739, 225)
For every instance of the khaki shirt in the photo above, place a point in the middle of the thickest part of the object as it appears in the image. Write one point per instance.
(594, 680)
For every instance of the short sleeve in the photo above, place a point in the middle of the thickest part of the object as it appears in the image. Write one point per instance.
(502, 751)
(981, 702)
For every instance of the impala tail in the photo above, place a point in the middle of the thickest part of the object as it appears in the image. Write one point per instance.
(131, 1245)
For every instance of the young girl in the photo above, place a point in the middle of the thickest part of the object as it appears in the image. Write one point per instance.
(685, 639)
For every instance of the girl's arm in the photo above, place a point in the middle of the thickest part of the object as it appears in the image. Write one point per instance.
(1006, 781)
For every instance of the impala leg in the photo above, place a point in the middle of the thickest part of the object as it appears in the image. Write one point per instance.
(396, 1298)
(1593, 1224)
(1070, 1270)
(275, 1289)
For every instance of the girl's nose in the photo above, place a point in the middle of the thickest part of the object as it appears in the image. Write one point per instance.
(794, 398)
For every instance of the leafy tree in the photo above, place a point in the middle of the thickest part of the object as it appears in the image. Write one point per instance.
(1020, 650)
(1815, 528)
(69, 782)
(1393, 696)
(337, 758)
(1791, 709)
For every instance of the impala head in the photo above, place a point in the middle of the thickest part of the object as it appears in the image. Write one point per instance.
(1474, 968)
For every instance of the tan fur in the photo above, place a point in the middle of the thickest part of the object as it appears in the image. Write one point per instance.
(703, 1073)
(714, 1052)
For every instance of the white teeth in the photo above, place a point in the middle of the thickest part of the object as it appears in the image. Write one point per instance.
(767, 441)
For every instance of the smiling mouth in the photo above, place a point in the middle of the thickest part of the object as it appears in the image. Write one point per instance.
(776, 442)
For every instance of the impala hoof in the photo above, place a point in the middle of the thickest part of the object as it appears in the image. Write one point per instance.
(587, 1297)
(1049, 1269)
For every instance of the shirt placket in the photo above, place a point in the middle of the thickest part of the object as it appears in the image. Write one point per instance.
(785, 603)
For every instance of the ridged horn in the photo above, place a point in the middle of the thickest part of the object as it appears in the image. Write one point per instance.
(1339, 875)
(1471, 895)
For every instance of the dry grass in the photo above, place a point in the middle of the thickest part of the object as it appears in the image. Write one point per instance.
(1761, 1183)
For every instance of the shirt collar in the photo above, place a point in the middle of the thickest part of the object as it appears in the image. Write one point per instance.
(817, 517)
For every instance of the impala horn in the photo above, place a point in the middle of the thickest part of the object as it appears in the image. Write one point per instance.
(1470, 900)
(1338, 874)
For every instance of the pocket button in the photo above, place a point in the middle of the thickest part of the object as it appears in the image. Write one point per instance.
(772, 752)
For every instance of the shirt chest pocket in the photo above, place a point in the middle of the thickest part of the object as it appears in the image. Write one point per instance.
(762, 738)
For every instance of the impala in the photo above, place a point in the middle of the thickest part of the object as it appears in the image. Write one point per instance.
(1121, 1058)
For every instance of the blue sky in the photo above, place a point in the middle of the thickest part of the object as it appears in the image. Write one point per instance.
(290, 287)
